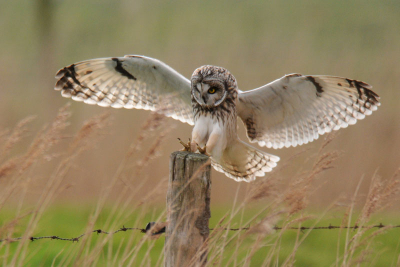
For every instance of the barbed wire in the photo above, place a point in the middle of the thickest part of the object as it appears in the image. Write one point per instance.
(152, 225)
(73, 239)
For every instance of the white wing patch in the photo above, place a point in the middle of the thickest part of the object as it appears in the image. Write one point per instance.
(296, 109)
(243, 162)
(128, 82)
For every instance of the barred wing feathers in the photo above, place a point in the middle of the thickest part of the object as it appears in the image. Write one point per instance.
(128, 82)
(243, 162)
(296, 109)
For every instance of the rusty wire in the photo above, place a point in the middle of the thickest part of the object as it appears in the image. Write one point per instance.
(150, 225)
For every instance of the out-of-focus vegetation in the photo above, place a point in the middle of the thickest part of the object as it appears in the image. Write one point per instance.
(258, 41)
(69, 157)
(319, 248)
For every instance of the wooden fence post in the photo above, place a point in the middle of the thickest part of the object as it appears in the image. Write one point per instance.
(188, 210)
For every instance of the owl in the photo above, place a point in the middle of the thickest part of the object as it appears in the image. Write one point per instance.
(293, 110)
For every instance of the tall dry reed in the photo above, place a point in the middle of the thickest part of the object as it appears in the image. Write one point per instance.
(279, 200)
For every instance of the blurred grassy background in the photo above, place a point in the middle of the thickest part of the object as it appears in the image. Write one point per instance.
(318, 249)
(258, 41)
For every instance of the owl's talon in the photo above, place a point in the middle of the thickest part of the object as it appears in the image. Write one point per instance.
(202, 150)
(186, 147)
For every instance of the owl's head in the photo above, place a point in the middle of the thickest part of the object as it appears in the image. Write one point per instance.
(213, 85)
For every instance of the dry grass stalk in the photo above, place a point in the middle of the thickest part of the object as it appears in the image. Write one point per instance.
(9, 167)
(3, 135)
(49, 137)
(130, 189)
(328, 139)
(264, 189)
(345, 221)
(46, 138)
(324, 162)
(266, 225)
(90, 132)
(8, 228)
(297, 193)
(295, 197)
(154, 122)
(267, 187)
(299, 220)
(16, 135)
(381, 194)
(154, 151)
(83, 140)
(347, 251)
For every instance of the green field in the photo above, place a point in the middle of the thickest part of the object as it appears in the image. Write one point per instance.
(319, 248)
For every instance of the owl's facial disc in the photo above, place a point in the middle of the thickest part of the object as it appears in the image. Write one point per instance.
(209, 93)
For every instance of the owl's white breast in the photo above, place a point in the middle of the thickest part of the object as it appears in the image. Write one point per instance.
(206, 125)
(203, 127)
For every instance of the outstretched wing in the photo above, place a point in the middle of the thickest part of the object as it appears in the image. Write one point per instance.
(128, 82)
(296, 109)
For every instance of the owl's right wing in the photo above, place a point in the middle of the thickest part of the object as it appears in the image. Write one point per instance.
(296, 109)
(128, 82)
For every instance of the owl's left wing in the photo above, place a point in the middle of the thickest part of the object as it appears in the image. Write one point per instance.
(296, 109)
(128, 82)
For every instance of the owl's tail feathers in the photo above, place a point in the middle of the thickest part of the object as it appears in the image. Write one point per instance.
(242, 162)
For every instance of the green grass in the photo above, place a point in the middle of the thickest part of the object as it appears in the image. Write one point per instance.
(318, 249)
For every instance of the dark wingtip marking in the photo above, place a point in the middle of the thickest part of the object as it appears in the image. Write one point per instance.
(339, 84)
(60, 73)
(60, 84)
(293, 75)
(364, 91)
(371, 96)
(317, 85)
(63, 75)
(88, 72)
(350, 83)
(119, 68)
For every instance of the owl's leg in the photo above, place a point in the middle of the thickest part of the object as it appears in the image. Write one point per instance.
(195, 140)
(203, 150)
(210, 145)
(212, 141)
(186, 147)
(193, 146)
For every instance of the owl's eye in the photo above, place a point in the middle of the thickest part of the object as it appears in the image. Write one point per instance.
(212, 90)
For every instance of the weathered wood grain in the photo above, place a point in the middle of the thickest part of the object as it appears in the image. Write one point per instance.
(188, 208)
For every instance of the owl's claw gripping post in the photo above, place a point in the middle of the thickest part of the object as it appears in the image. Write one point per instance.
(186, 147)
(202, 150)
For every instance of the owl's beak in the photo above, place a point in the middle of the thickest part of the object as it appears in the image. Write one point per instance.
(204, 94)
(205, 97)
